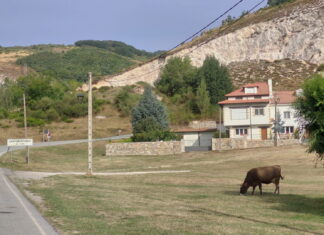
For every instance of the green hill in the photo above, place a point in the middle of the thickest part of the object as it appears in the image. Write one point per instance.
(76, 63)
(73, 63)
(118, 48)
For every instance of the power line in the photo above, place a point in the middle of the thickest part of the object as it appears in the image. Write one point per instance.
(193, 49)
(209, 24)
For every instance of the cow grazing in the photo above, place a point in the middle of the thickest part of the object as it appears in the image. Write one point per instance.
(262, 175)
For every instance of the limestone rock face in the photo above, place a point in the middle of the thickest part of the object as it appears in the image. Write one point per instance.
(297, 36)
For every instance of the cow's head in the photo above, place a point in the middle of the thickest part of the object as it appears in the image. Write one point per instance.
(244, 188)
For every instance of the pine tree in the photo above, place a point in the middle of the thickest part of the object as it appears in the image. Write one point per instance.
(150, 106)
(217, 79)
(203, 100)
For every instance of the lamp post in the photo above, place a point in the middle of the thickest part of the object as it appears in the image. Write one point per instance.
(276, 101)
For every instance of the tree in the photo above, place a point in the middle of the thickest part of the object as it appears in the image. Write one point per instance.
(203, 100)
(217, 78)
(150, 120)
(176, 76)
(276, 2)
(229, 19)
(278, 124)
(310, 106)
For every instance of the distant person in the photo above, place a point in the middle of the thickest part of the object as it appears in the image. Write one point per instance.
(49, 136)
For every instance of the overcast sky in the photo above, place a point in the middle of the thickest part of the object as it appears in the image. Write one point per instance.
(146, 24)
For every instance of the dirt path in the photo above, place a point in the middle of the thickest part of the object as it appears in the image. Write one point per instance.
(40, 175)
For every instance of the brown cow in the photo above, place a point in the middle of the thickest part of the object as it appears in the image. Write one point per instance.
(262, 175)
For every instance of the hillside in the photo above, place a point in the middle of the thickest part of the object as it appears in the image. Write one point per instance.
(71, 62)
(289, 35)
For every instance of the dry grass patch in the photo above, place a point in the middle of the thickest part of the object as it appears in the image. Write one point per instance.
(204, 201)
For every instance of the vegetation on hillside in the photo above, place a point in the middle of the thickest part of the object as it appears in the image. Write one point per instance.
(118, 48)
(48, 99)
(277, 2)
(76, 63)
(311, 108)
(126, 100)
(184, 85)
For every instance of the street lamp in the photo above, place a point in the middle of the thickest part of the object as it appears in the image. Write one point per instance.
(276, 101)
(80, 97)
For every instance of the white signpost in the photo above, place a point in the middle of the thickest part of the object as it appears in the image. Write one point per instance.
(19, 142)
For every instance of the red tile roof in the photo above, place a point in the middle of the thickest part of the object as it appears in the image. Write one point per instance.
(263, 89)
(285, 97)
(244, 101)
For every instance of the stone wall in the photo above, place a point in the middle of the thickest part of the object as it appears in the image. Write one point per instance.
(145, 148)
(228, 144)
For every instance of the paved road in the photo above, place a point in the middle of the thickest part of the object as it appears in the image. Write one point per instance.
(4, 148)
(17, 215)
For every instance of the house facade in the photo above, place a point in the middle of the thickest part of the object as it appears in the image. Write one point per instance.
(249, 112)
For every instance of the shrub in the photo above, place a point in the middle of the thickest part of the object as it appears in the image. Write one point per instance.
(3, 113)
(277, 2)
(223, 134)
(126, 100)
(320, 68)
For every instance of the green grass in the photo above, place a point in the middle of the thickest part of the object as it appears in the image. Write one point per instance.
(204, 201)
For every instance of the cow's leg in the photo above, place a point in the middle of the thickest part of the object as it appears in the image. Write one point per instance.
(253, 189)
(260, 187)
(277, 186)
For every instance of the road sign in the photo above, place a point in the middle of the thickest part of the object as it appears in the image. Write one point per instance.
(19, 142)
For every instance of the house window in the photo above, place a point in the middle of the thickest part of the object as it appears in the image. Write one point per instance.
(288, 129)
(239, 113)
(250, 90)
(241, 131)
(287, 115)
(259, 111)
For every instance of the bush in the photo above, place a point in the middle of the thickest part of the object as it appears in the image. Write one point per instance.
(277, 2)
(30, 122)
(3, 113)
(320, 68)
(126, 100)
(223, 134)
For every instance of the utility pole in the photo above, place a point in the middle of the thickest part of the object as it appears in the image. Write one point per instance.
(251, 121)
(276, 100)
(25, 124)
(90, 126)
(220, 129)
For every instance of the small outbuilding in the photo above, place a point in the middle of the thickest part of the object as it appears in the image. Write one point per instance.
(197, 139)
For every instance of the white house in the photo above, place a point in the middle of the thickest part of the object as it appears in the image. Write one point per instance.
(250, 111)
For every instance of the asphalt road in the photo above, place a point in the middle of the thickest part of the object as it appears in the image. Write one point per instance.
(4, 148)
(17, 215)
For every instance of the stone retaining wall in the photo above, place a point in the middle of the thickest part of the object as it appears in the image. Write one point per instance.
(228, 144)
(145, 148)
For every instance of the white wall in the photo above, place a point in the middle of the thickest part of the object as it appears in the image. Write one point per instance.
(256, 133)
(198, 139)
(255, 119)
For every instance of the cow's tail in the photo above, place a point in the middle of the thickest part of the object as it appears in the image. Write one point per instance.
(281, 177)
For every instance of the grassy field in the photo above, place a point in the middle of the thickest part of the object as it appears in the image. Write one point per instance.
(204, 201)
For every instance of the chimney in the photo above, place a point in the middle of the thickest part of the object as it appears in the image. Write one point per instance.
(270, 88)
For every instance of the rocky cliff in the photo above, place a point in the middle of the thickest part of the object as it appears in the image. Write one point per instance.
(289, 35)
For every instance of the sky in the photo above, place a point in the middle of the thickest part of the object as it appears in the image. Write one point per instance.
(146, 24)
